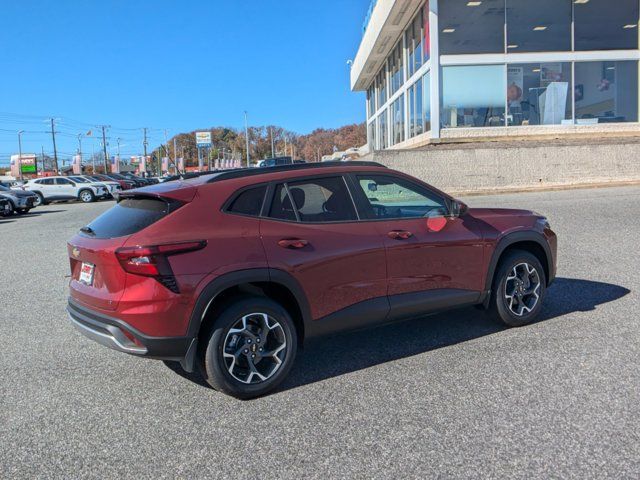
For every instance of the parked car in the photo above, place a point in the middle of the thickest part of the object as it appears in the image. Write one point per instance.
(276, 161)
(19, 200)
(147, 180)
(137, 182)
(290, 253)
(124, 184)
(51, 189)
(5, 207)
(112, 187)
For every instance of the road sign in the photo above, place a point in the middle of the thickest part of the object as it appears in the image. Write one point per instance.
(203, 139)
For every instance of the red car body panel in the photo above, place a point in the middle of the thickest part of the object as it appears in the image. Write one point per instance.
(342, 264)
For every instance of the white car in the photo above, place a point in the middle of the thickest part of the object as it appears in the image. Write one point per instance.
(112, 187)
(51, 189)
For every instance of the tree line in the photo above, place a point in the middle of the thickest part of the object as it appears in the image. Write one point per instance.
(231, 143)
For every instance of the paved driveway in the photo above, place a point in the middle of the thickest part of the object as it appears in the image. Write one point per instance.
(452, 395)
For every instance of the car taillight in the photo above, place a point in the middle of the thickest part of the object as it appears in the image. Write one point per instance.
(152, 261)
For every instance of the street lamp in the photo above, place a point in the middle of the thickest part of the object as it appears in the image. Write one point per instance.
(20, 153)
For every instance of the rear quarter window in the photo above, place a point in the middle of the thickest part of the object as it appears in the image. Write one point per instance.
(248, 202)
(128, 216)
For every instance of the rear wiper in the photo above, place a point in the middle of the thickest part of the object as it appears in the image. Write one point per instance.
(88, 230)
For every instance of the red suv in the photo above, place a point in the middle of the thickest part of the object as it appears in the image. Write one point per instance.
(231, 272)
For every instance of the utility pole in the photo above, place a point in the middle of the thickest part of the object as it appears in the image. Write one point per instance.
(104, 150)
(55, 151)
(273, 149)
(42, 156)
(246, 136)
(80, 152)
(285, 146)
(144, 143)
(118, 142)
(175, 155)
(20, 153)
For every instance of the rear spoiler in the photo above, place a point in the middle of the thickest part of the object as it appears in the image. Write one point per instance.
(174, 191)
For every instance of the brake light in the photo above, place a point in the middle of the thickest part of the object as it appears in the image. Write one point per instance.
(152, 261)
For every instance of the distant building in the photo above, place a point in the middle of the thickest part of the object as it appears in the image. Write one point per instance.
(458, 69)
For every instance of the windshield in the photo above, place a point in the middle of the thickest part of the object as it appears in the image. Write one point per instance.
(79, 179)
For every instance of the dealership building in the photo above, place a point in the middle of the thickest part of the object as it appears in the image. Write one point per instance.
(440, 71)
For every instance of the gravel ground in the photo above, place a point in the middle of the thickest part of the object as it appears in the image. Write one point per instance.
(451, 395)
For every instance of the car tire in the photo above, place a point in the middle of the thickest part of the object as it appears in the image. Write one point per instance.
(40, 200)
(86, 196)
(23, 211)
(230, 356)
(519, 288)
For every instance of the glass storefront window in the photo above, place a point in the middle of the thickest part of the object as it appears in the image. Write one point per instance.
(416, 118)
(538, 26)
(371, 101)
(426, 101)
(371, 135)
(539, 93)
(382, 130)
(606, 92)
(473, 96)
(396, 68)
(414, 44)
(397, 117)
(381, 87)
(426, 42)
(606, 24)
(471, 27)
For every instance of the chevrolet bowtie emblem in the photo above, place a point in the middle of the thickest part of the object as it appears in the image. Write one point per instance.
(75, 252)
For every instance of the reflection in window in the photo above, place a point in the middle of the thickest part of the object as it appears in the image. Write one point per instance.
(473, 96)
(426, 101)
(606, 24)
(371, 101)
(397, 112)
(471, 27)
(396, 68)
(426, 42)
(382, 130)
(414, 44)
(606, 92)
(371, 136)
(540, 25)
(539, 93)
(416, 118)
(381, 87)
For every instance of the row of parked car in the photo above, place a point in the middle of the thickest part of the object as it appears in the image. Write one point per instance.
(20, 198)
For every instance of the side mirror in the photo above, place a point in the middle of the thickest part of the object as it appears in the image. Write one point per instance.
(73, 184)
(458, 208)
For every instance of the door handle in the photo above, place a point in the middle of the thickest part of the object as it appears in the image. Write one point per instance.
(399, 234)
(293, 243)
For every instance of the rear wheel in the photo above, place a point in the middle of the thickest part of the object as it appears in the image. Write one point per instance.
(519, 287)
(250, 348)
(86, 196)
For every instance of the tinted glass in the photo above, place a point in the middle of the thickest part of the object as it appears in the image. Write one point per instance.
(390, 197)
(323, 200)
(606, 24)
(473, 96)
(281, 206)
(538, 26)
(78, 179)
(249, 202)
(539, 93)
(606, 92)
(62, 181)
(471, 27)
(129, 216)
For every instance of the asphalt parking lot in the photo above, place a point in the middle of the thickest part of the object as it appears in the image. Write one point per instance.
(451, 395)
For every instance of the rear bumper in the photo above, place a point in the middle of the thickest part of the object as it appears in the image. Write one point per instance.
(117, 335)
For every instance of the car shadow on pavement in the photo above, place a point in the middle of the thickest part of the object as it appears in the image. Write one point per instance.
(344, 353)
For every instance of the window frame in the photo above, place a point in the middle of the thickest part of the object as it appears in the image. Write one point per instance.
(362, 202)
(233, 197)
(272, 189)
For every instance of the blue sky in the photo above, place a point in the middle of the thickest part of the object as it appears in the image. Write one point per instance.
(177, 65)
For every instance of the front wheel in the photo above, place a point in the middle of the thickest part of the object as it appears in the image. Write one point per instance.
(250, 348)
(86, 196)
(519, 288)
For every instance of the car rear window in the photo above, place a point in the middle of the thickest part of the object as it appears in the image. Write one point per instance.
(128, 216)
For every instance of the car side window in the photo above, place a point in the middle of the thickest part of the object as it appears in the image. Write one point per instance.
(281, 206)
(249, 202)
(62, 181)
(46, 181)
(392, 197)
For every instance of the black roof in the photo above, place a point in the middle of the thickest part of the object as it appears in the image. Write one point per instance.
(249, 172)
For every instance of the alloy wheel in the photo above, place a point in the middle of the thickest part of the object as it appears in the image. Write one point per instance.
(254, 348)
(522, 289)
(85, 196)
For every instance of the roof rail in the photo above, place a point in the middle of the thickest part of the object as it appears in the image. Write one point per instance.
(248, 172)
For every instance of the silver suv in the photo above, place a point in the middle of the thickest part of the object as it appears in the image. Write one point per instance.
(51, 189)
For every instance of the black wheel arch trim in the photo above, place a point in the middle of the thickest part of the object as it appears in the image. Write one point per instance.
(511, 239)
